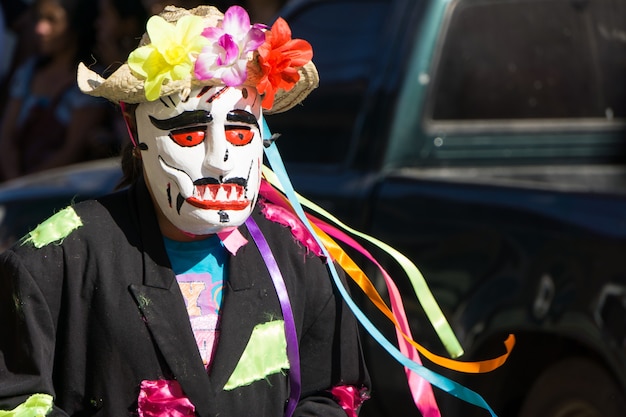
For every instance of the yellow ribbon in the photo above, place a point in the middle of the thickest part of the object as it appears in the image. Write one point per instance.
(436, 317)
(358, 276)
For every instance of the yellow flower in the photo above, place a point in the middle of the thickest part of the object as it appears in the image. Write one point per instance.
(170, 55)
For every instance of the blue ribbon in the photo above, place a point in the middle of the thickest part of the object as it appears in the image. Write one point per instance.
(446, 384)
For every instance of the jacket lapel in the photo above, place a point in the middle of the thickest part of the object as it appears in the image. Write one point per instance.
(169, 326)
(248, 301)
(162, 305)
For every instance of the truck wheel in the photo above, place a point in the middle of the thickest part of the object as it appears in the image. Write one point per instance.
(574, 387)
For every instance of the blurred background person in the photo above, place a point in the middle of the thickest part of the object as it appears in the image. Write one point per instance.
(119, 27)
(19, 40)
(47, 121)
(5, 45)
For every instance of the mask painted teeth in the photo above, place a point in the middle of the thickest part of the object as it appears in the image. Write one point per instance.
(219, 192)
(219, 197)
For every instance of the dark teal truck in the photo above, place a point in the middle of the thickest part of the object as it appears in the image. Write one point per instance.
(486, 140)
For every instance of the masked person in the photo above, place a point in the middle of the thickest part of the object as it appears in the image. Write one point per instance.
(177, 296)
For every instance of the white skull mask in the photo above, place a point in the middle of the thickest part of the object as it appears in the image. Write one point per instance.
(203, 157)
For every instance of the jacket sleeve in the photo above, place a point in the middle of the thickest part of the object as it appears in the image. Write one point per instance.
(28, 312)
(331, 357)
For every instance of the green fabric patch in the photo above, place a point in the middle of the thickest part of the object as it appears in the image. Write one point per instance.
(37, 405)
(265, 354)
(55, 228)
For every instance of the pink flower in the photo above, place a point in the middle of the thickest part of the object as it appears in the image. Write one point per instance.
(226, 57)
(163, 398)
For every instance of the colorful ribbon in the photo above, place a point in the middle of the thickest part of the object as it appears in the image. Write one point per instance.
(420, 389)
(365, 284)
(425, 297)
(444, 383)
(293, 353)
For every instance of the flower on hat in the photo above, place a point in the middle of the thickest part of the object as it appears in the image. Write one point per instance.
(280, 57)
(226, 57)
(171, 53)
(229, 51)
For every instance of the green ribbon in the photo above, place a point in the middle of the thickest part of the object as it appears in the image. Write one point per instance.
(420, 287)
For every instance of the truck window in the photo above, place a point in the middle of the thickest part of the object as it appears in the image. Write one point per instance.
(342, 34)
(549, 59)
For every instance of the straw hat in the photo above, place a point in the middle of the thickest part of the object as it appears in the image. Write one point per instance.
(128, 86)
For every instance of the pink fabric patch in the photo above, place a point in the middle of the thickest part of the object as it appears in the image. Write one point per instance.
(232, 240)
(350, 398)
(285, 217)
(277, 209)
(163, 398)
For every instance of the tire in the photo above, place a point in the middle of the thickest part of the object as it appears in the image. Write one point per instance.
(574, 387)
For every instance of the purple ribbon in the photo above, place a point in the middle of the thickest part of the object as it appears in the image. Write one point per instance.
(290, 326)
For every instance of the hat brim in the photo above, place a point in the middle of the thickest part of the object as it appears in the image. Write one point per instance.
(124, 86)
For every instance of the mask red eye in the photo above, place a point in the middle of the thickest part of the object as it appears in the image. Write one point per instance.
(239, 136)
(188, 137)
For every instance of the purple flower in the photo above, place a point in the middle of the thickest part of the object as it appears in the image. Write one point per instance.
(230, 42)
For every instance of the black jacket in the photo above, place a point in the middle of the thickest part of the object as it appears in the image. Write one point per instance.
(89, 317)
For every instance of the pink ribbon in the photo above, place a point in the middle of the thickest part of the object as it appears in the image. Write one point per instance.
(421, 390)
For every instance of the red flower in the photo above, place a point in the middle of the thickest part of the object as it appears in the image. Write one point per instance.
(280, 57)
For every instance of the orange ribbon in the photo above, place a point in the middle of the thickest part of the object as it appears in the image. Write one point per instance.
(361, 279)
